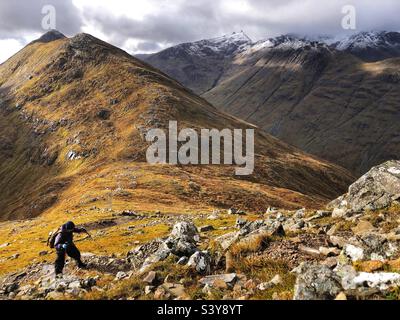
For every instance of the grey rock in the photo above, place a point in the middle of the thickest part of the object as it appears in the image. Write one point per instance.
(377, 189)
(184, 230)
(316, 282)
(206, 228)
(229, 279)
(183, 260)
(201, 262)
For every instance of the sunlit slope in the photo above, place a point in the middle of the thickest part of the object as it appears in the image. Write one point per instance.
(74, 113)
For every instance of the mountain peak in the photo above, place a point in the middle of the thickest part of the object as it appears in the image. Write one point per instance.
(50, 36)
(366, 39)
(233, 38)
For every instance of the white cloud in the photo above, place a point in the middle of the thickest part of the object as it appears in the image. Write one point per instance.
(8, 48)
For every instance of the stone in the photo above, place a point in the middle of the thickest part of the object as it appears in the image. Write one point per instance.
(120, 276)
(381, 281)
(341, 297)
(271, 210)
(329, 252)
(363, 227)
(330, 262)
(316, 282)
(151, 278)
(213, 217)
(161, 294)
(234, 211)
(337, 241)
(175, 290)
(309, 251)
(181, 247)
(265, 286)
(148, 290)
(333, 230)
(339, 213)
(53, 295)
(183, 238)
(43, 253)
(250, 284)
(74, 285)
(183, 260)
(375, 190)
(4, 245)
(227, 240)
(206, 228)
(277, 280)
(184, 230)
(353, 252)
(229, 279)
(201, 262)
(88, 283)
(280, 217)
(220, 284)
(300, 214)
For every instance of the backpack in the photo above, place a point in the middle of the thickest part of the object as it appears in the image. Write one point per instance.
(51, 240)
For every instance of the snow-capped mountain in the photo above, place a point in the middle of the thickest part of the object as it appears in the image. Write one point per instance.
(199, 65)
(371, 46)
(306, 90)
(371, 39)
(287, 42)
(227, 44)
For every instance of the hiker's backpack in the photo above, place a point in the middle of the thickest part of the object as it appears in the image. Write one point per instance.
(51, 240)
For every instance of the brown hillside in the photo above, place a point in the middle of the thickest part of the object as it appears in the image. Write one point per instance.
(73, 115)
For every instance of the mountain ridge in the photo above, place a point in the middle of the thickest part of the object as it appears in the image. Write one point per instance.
(81, 105)
(276, 81)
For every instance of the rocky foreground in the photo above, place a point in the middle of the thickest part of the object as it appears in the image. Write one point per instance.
(349, 251)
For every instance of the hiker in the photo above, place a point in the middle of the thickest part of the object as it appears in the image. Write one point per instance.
(64, 244)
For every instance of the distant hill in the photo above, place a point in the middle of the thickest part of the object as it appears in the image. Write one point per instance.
(338, 100)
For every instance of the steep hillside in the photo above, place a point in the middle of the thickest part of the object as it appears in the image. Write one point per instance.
(74, 114)
(317, 96)
(199, 65)
(371, 46)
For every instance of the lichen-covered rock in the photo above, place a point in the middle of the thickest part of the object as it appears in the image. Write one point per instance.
(201, 262)
(377, 189)
(316, 282)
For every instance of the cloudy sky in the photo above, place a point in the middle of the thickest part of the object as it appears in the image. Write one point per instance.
(140, 26)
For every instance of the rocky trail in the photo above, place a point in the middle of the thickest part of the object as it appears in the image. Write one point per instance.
(349, 251)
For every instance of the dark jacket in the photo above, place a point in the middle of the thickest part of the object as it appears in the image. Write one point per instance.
(66, 235)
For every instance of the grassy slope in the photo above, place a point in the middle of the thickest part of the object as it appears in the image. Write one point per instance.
(61, 86)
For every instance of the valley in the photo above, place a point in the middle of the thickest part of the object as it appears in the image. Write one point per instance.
(334, 100)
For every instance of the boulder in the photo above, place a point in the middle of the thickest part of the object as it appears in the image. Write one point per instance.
(381, 281)
(184, 230)
(201, 262)
(316, 282)
(183, 239)
(377, 189)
